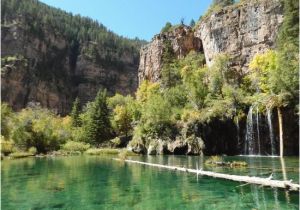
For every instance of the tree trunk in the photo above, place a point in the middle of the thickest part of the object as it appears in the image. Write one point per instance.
(280, 131)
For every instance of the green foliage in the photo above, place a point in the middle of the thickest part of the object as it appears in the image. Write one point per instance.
(17, 155)
(116, 141)
(79, 32)
(214, 159)
(263, 67)
(155, 118)
(73, 146)
(7, 147)
(94, 151)
(146, 90)
(76, 122)
(127, 102)
(169, 73)
(176, 96)
(97, 127)
(193, 75)
(123, 119)
(6, 114)
(223, 3)
(192, 23)
(286, 75)
(36, 127)
(32, 150)
(166, 28)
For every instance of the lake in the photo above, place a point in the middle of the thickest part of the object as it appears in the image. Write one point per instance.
(94, 182)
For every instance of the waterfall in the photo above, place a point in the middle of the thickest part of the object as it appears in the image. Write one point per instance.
(249, 144)
(257, 129)
(238, 130)
(269, 116)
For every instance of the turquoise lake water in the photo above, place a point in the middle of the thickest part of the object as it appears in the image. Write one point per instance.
(89, 182)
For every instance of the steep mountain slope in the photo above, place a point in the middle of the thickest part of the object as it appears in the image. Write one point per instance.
(240, 30)
(50, 57)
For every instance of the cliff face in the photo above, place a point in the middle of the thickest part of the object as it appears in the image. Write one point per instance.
(182, 41)
(240, 30)
(47, 69)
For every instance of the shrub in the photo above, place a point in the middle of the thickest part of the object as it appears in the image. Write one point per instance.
(7, 147)
(213, 160)
(74, 146)
(40, 128)
(32, 150)
(166, 28)
(116, 141)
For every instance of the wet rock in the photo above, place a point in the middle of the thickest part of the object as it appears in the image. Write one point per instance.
(152, 150)
(137, 148)
(178, 147)
(195, 145)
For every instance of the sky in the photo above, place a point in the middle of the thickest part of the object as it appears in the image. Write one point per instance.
(135, 18)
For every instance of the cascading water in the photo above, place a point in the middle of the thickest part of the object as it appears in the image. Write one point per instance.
(238, 130)
(269, 116)
(257, 129)
(249, 144)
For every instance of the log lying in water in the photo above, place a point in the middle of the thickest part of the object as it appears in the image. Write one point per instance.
(248, 179)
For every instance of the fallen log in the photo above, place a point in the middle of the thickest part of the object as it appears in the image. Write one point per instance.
(247, 179)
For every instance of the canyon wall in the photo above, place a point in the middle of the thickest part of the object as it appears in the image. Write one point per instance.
(241, 30)
(47, 60)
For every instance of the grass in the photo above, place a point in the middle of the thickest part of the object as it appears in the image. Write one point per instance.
(122, 153)
(73, 146)
(102, 151)
(17, 155)
(219, 161)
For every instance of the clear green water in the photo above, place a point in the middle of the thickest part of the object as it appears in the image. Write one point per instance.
(85, 182)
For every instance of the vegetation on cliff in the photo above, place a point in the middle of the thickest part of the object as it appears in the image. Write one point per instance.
(76, 29)
(190, 94)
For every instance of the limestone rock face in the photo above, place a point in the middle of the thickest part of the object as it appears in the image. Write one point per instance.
(240, 30)
(41, 70)
(182, 41)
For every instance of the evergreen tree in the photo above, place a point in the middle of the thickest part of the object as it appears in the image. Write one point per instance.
(223, 3)
(98, 127)
(76, 122)
(170, 75)
(182, 21)
(192, 23)
(166, 27)
(286, 78)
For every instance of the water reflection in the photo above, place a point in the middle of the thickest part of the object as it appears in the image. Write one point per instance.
(101, 183)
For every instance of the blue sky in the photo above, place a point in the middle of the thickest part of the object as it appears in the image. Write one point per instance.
(135, 18)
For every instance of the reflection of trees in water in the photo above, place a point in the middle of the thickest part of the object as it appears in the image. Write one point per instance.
(101, 182)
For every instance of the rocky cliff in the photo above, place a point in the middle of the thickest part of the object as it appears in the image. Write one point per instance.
(240, 30)
(48, 60)
(182, 41)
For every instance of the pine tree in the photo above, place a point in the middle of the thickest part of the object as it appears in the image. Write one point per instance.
(192, 23)
(98, 127)
(223, 3)
(287, 78)
(76, 122)
(166, 28)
